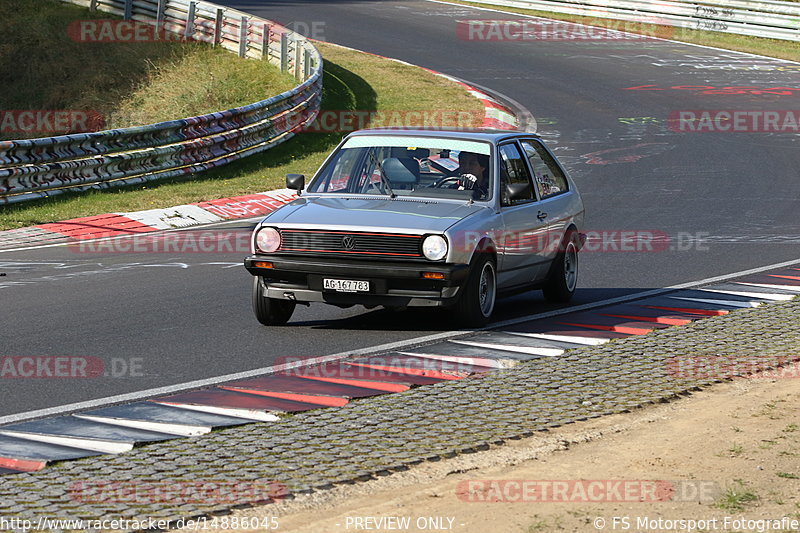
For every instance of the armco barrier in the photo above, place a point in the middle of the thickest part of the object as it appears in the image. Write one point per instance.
(37, 168)
(766, 18)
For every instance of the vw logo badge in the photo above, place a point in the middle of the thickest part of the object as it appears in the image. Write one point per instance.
(348, 242)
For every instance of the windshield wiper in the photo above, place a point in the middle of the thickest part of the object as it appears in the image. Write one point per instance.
(384, 179)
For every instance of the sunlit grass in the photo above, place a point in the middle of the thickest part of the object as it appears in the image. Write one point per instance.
(44, 67)
(352, 81)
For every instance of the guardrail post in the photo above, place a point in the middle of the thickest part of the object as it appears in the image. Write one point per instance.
(243, 37)
(93, 5)
(266, 32)
(188, 31)
(162, 6)
(284, 52)
(298, 59)
(218, 23)
(128, 9)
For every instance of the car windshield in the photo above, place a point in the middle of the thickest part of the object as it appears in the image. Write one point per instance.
(408, 166)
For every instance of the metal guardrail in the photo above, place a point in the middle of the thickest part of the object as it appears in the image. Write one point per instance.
(766, 18)
(38, 168)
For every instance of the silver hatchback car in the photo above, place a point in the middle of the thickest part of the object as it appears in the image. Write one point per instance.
(409, 218)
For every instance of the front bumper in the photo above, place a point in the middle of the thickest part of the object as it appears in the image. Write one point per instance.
(392, 283)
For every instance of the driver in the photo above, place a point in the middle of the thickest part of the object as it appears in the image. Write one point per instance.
(473, 171)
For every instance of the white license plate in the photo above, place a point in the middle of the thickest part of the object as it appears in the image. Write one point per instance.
(345, 285)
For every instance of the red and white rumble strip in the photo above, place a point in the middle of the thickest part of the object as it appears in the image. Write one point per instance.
(138, 222)
(495, 114)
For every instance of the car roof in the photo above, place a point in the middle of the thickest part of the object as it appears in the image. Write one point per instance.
(475, 134)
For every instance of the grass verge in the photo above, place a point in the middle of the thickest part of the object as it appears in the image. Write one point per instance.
(46, 65)
(352, 81)
(755, 45)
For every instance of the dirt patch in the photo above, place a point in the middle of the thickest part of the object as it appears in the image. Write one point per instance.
(725, 459)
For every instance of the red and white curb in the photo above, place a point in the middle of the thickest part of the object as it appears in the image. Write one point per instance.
(330, 383)
(496, 115)
(137, 222)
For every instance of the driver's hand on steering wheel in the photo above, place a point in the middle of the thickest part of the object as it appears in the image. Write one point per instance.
(467, 181)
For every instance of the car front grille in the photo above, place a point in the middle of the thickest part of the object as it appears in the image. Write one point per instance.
(351, 244)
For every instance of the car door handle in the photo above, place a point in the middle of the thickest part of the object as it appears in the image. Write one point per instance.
(542, 215)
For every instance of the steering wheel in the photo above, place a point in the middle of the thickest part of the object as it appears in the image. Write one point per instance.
(446, 179)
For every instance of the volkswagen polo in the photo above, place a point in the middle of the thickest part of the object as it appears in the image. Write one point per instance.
(418, 218)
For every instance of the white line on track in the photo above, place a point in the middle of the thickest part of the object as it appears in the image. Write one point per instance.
(182, 430)
(528, 350)
(93, 445)
(730, 303)
(180, 387)
(754, 295)
(574, 339)
(789, 288)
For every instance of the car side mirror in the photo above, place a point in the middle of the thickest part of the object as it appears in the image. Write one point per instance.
(295, 181)
(518, 191)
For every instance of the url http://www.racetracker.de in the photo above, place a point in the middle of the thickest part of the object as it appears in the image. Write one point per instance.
(44, 523)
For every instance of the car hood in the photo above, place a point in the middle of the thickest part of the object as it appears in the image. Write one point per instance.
(356, 213)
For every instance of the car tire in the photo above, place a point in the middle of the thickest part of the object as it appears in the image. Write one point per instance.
(270, 311)
(563, 277)
(476, 303)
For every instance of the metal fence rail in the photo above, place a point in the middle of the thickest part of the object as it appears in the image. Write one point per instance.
(765, 18)
(37, 168)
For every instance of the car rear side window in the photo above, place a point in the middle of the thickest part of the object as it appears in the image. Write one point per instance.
(549, 178)
(513, 171)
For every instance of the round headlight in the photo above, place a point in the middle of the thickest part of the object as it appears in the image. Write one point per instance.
(268, 240)
(434, 247)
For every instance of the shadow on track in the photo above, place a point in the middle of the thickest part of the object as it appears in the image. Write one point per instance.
(433, 319)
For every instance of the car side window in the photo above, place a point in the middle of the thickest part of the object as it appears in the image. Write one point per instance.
(514, 171)
(549, 179)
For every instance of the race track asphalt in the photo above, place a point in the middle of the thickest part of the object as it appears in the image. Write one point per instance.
(719, 203)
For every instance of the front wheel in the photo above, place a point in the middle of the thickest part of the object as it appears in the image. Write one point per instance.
(563, 277)
(270, 311)
(476, 303)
